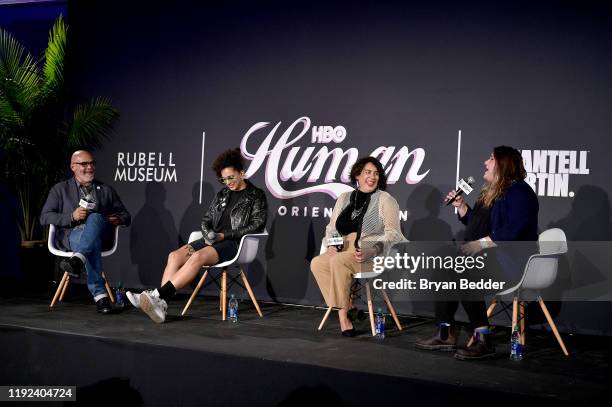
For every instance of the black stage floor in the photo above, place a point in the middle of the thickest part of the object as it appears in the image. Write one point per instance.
(280, 359)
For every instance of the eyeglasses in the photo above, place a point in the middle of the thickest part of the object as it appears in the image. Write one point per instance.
(226, 180)
(86, 164)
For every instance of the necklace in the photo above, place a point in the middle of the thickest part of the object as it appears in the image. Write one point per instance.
(356, 212)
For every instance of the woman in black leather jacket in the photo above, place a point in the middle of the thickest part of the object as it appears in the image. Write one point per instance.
(238, 209)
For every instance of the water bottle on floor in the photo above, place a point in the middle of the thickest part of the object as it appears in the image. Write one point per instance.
(120, 296)
(516, 348)
(232, 309)
(380, 325)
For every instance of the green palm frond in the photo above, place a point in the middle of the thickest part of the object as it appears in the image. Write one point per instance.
(53, 70)
(91, 123)
(19, 76)
(35, 134)
(9, 118)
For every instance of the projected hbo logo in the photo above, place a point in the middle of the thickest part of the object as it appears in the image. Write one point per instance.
(327, 134)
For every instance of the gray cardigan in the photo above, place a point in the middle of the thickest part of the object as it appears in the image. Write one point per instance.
(64, 198)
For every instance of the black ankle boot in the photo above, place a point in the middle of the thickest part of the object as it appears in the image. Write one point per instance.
(444, 339)
(482, 348)
(73, 266)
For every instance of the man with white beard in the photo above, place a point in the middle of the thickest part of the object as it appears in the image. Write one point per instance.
(85, 212)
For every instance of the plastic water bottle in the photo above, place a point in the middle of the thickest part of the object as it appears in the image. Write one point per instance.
(120, 296)
(516, 347)
(380, 325)
(232, 309)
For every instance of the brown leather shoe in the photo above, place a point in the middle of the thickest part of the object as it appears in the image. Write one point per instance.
(438, 341)
(482, 348)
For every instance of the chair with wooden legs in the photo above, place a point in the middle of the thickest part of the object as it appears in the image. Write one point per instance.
(540, 273)
(65, 280)
(247, 251)
(359, 281)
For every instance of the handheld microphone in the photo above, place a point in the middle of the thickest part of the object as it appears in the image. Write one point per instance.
(462, 187)
(87, 201)
(336, 240)
(210, 237)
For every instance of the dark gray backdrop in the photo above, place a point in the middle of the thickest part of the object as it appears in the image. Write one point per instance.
(534, 76)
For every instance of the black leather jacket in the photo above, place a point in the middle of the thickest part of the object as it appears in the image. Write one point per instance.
(249, 215)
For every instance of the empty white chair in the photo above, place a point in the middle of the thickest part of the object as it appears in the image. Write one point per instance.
(540, 272)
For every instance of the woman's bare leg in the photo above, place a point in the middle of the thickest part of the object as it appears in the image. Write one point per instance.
(189, 270)
(176, 259)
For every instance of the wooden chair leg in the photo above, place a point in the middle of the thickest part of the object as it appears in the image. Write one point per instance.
(224, 294)
(195, 292)
(552, 326)
(60, 287)
(370, 307)
(514, 315)
(221, 293)
(391, 309)
(514, 312)
(324, 320)
(491, 308)
(522, 321)
(250, 291)
(61, 298)
(108, 289)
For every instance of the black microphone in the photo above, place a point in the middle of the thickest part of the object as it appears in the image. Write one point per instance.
(87, 201)
(211, 237)
(463, 187)
(336, 240)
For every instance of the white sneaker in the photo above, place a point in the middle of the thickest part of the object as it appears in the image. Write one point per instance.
(153, 306)
(134, 298)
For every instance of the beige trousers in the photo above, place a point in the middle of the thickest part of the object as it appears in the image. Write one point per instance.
(334, 273)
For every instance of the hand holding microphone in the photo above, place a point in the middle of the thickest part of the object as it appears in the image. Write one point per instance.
(210, 238)
(454, 197)
(86, 205)
(335, 243)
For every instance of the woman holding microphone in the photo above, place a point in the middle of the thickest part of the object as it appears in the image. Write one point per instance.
(506, 210)
(367, 219)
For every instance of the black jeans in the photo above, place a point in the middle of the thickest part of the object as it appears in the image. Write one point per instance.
(476, 310)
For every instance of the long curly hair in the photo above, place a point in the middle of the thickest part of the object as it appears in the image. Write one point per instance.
(509, 168)
(228, 158)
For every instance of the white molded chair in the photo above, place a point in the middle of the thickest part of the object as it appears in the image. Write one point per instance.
(63, 284)
(247, 251)
(540, 273)
(359, 280)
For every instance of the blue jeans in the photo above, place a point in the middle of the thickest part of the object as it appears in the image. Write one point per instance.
(86, 239)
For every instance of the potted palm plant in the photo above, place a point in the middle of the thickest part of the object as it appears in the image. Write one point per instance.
(37, 130)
